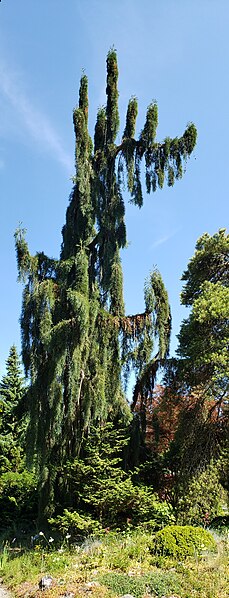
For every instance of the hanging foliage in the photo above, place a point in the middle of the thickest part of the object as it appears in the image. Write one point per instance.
(77, 342)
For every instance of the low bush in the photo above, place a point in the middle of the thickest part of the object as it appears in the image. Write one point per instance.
(155, 584)
(203, 500)
(18, 498)
(137, 505)
(183, 541)
(221, 523)
(104, 491)
(74, 524)
(149, 511)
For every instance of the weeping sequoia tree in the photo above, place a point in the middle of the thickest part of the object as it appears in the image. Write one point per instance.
(78, 345)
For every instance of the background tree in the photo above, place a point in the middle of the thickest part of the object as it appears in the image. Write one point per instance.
(12, 390)
(184, 423)
(204, 498)
(204, 335)
(18, 495)
(76, 339)
(201, 376)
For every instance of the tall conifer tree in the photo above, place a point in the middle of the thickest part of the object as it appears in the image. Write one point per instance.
(12, 390)
(77, 341)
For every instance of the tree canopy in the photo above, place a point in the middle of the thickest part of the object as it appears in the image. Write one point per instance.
(204, 335)
(200, 377)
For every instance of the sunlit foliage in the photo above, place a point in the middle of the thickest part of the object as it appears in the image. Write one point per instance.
(76, 339)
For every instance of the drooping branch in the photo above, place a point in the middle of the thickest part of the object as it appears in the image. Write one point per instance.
(145, 384)
(163, 161)
(78, 344)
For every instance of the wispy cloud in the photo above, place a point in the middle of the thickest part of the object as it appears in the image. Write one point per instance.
(35, 123)
(2, 164)
(163, 239)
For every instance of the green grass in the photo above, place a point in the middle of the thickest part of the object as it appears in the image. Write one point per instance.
(117, 564)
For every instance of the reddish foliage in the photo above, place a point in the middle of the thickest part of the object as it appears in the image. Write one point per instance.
(162, 412)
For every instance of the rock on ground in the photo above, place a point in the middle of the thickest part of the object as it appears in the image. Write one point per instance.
(4, 592)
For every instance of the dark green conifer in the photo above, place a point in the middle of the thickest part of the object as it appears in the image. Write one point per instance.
(76, 339)
(12, 390)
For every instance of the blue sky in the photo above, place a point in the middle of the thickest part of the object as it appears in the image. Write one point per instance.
(174, 51)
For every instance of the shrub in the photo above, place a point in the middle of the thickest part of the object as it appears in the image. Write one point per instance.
(158, 583)
(137, 505)
(101, 488)
(149, 511)
(18, 497)
(204, 498)
(74, 524)
(182, 541)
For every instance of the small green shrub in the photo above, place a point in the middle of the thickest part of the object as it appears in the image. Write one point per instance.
(203, 499)
(74, 524)
(149, 511)
(103, 490)
(156, 584)
(182, 541)
(18, 497)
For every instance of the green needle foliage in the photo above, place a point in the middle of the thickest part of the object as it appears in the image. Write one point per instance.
(100, 489)
(204, 336)
(17, 485)
(76, 338)
(12, 391)
(201, 376)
